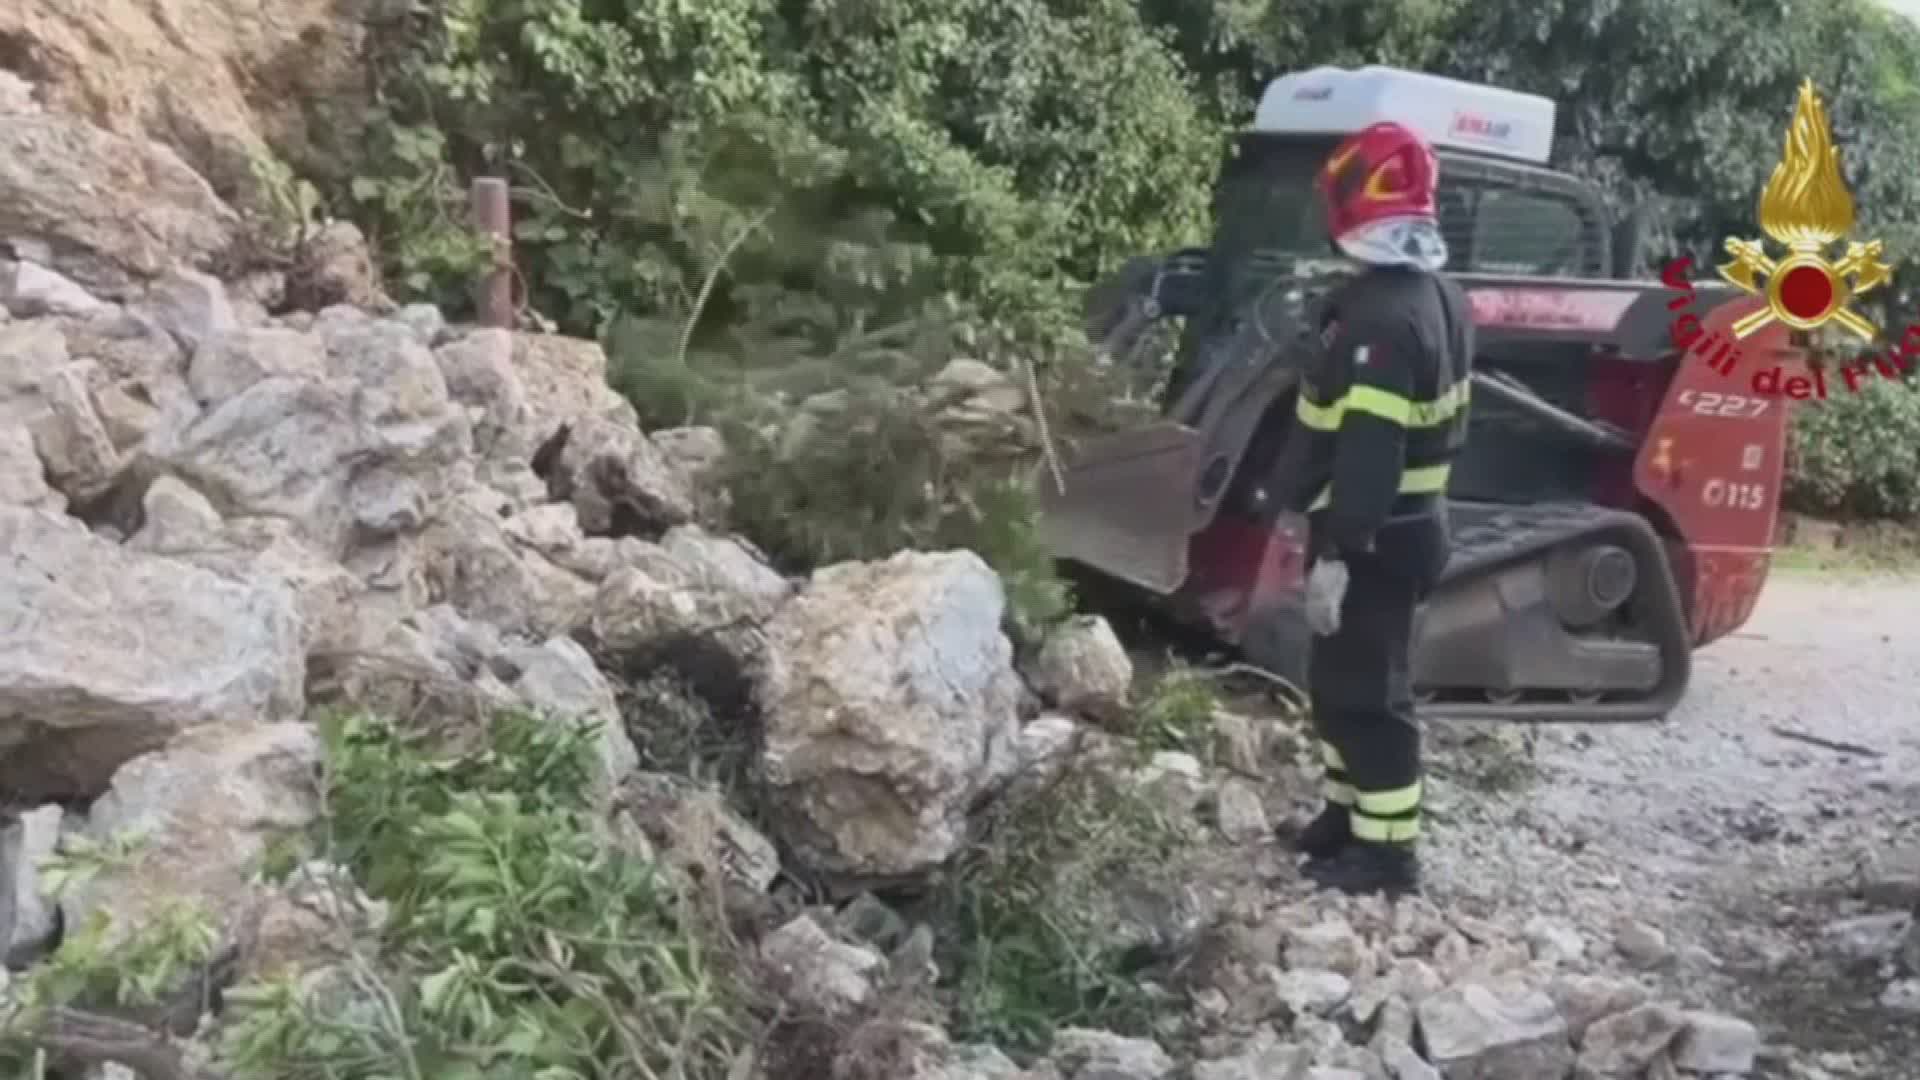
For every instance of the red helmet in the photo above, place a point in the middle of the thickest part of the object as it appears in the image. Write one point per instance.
(1380, 173)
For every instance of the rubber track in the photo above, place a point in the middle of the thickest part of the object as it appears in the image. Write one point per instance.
(1488, 537)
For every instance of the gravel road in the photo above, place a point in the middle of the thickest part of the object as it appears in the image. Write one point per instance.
(1740, 846)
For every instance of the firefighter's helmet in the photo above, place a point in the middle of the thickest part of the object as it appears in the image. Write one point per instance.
(1377, 189)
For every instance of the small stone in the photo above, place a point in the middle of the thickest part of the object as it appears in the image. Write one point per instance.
(1714, 1043)
(1241, 815)
(1502, 1031)
(817, 972)
(1401, 1060)
(1584, 999)
(1311, 992)
(1554, 941)
(1265, 1058)
(1641, 944)
(1329, 945)
(1902, 996)
(1083, 1054)
(31, 291)
(1082, 667)
(1237, 743)
(1868, 937)
(191, 306)
(1622, 1046)
(1396, 1019)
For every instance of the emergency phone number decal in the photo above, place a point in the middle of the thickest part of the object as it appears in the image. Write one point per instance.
(1733, 406)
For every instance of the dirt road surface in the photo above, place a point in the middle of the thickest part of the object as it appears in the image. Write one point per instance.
(1743, 847)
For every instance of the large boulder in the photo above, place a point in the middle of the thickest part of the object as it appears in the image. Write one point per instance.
(356, 439)
(107, 653)
(890, 706)
(108, 210)
(194, 821)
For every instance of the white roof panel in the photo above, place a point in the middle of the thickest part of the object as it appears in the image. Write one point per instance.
(1446, 112)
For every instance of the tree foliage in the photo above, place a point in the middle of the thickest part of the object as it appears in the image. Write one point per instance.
(740, 185)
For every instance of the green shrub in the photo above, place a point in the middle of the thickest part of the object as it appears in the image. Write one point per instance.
(1857, 454)
(518, 942)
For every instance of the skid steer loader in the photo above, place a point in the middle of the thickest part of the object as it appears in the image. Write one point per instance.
(1615, 506)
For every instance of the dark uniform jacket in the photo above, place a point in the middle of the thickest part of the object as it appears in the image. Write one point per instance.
(1382, 410)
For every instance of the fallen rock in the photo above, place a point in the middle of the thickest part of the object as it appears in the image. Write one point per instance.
(309, 924)
(431, 663)
(1900, 996)
(1267, 1057)
(1624, 1045)
(331, 456)
(1399, 1059)
(816, 973)
(192, 306)
(696, 828)
(1643, 945)
(229, 363)
(35, 837)
(106, 210)
(559, 680)
(698, 455)
(23, 479)
(1554, 941)
(471, 561)
(106, 654)
(1315, 993)
(1872, 937)
(1082, 667)
(1241, 814)
(30, 291)
(1584, 999)
(1505, 1031)
(1714, 1043)
(1328, 945)
(1082, 1054)
(71, 438)
(194, 820)
(617, 480)
(335, 266)
(890, 705)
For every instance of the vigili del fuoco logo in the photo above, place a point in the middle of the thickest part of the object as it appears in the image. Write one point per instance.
(1807, 210)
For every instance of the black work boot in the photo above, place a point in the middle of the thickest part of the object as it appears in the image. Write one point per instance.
(1325, 835)
(1365, 866)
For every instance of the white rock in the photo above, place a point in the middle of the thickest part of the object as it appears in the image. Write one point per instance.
(1401, 1060)
(191, 306)
(695, 826)
(559, 679)
(30, 291)
(1555, 941)
(232, 361)
(1082, 667)
(1101, 1055)
(106, 653)
(1241, 814)
(23, 478)
(890, 705)
(1505, 1031)
(1868, 937)
(1624, 1045)
(38, 835)
(198, 817)
(1312, 992)
(1713, 1043)
(1902, 996)
(1328, 945)
(816, 972)
(1642, 944)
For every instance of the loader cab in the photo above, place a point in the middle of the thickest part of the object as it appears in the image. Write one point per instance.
(1504, 215)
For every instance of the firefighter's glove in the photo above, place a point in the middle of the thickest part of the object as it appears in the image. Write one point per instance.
(1326, 590)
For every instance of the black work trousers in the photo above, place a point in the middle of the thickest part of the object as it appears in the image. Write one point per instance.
(1361, 684)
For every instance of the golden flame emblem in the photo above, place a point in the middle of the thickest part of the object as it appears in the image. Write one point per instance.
(1807, 207)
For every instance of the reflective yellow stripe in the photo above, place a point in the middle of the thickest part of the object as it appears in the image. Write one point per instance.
(1330, 756)
(1383, 830)
(1337, 793)
(1384, 404)
(1425, 480)
(1389, 803)
(1318, 417)
(1377, 402)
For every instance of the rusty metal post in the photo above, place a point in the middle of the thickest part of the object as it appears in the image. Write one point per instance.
(493, 215)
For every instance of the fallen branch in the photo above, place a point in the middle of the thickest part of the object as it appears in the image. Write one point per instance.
(1827, 744)
(89, 1038)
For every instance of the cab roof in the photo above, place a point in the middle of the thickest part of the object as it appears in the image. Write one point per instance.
(1446, 112)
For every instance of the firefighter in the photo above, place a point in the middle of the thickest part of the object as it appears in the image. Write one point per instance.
(1381, 412)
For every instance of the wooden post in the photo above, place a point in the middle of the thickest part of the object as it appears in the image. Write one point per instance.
(493, 215)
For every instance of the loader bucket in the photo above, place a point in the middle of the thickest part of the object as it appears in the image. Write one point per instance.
(1127, 508)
